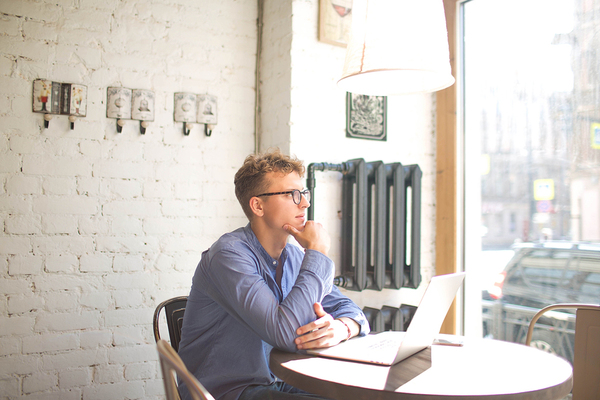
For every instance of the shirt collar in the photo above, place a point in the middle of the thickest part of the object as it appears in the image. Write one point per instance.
(258, 247)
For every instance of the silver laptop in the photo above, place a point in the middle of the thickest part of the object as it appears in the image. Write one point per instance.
(389, 348)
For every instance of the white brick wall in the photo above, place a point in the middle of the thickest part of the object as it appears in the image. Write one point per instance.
(97, 227)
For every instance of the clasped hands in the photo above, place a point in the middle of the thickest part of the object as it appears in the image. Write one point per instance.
(322, 332)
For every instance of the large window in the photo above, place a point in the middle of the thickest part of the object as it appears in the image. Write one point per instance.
(531, 120)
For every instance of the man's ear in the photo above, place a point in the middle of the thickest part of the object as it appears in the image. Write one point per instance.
(256, 205)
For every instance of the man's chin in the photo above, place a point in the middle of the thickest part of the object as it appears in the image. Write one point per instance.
(298, 225)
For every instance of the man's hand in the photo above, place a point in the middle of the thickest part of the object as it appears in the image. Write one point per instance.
(313, 236)
(323, 332)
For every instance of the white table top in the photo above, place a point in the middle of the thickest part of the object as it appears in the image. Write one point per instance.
(481, 368)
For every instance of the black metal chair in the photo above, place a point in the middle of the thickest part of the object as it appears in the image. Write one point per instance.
(174, 310)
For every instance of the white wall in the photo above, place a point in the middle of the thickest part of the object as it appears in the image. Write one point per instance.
(275, 75)
(97, 227)
(317, 134)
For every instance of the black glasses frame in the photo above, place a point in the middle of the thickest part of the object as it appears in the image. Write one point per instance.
(296, 195)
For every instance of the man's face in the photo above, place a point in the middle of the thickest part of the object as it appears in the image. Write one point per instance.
(280, 209)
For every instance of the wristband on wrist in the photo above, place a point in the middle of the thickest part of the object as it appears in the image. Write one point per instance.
(347, 327)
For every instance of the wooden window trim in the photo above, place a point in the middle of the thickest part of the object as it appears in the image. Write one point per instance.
(447, 172)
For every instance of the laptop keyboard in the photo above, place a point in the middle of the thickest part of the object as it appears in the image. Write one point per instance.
(386, 343)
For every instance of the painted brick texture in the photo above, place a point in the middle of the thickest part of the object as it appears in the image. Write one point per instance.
(97, 227)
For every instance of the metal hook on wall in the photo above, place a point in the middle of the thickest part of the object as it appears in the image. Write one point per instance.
(207, 112)
(120, 125)
(187, 127)
(184, 110)
(47, 118)
(56, 98)
(189, 108)
(142, 107)
(208, 128)
(143, 126)
(118, 105)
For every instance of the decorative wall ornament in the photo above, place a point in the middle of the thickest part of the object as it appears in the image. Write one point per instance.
(207, 112)
(123, 103)
(185, 110)
(335, 21)
(190, 108)
(118, 105)
(142, 107)
(45, 98)
(366, 116)
(59, 98)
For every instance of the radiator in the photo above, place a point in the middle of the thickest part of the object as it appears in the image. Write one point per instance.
(389, 318)
(381, 223)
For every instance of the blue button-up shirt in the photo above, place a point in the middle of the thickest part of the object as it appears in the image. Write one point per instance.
(236, 313)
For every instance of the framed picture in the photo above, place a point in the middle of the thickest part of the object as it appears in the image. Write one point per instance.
(366, 117)
(335, 20)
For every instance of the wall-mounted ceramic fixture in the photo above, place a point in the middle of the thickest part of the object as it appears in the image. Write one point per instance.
(47, 118)
(185, 110)
(207, 112)
(59, 98)
(118, 105)
(123, 103)
(190, 108)
(142, 108)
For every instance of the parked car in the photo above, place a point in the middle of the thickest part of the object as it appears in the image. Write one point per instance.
(540, 274)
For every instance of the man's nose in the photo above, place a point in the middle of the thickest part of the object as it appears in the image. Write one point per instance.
(303, 202)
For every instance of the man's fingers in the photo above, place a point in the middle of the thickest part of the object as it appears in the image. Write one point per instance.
(313, 339)
(319, 310)
(320, 323)
(291, 230)
(311, 236)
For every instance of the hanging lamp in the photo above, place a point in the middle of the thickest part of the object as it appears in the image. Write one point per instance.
(397, 47)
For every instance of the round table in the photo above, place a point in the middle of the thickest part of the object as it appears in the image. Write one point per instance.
(480, 369)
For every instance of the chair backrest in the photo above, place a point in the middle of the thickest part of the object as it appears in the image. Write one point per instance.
(174, 310)
(586, 358)
(172, 366)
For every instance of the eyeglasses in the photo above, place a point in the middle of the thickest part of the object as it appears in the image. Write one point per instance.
(296, 195)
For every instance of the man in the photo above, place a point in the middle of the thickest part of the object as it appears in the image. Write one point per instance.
(253, 291)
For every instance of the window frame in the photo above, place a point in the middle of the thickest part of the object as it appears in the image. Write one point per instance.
(449, 231)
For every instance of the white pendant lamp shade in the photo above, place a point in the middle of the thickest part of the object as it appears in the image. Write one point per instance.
(397, 47)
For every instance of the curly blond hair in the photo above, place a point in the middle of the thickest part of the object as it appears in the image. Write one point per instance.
(250, 179)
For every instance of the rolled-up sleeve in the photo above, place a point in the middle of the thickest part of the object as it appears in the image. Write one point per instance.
(339, 306)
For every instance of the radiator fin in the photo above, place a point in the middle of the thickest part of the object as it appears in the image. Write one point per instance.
(389, 318)
(381, 223)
